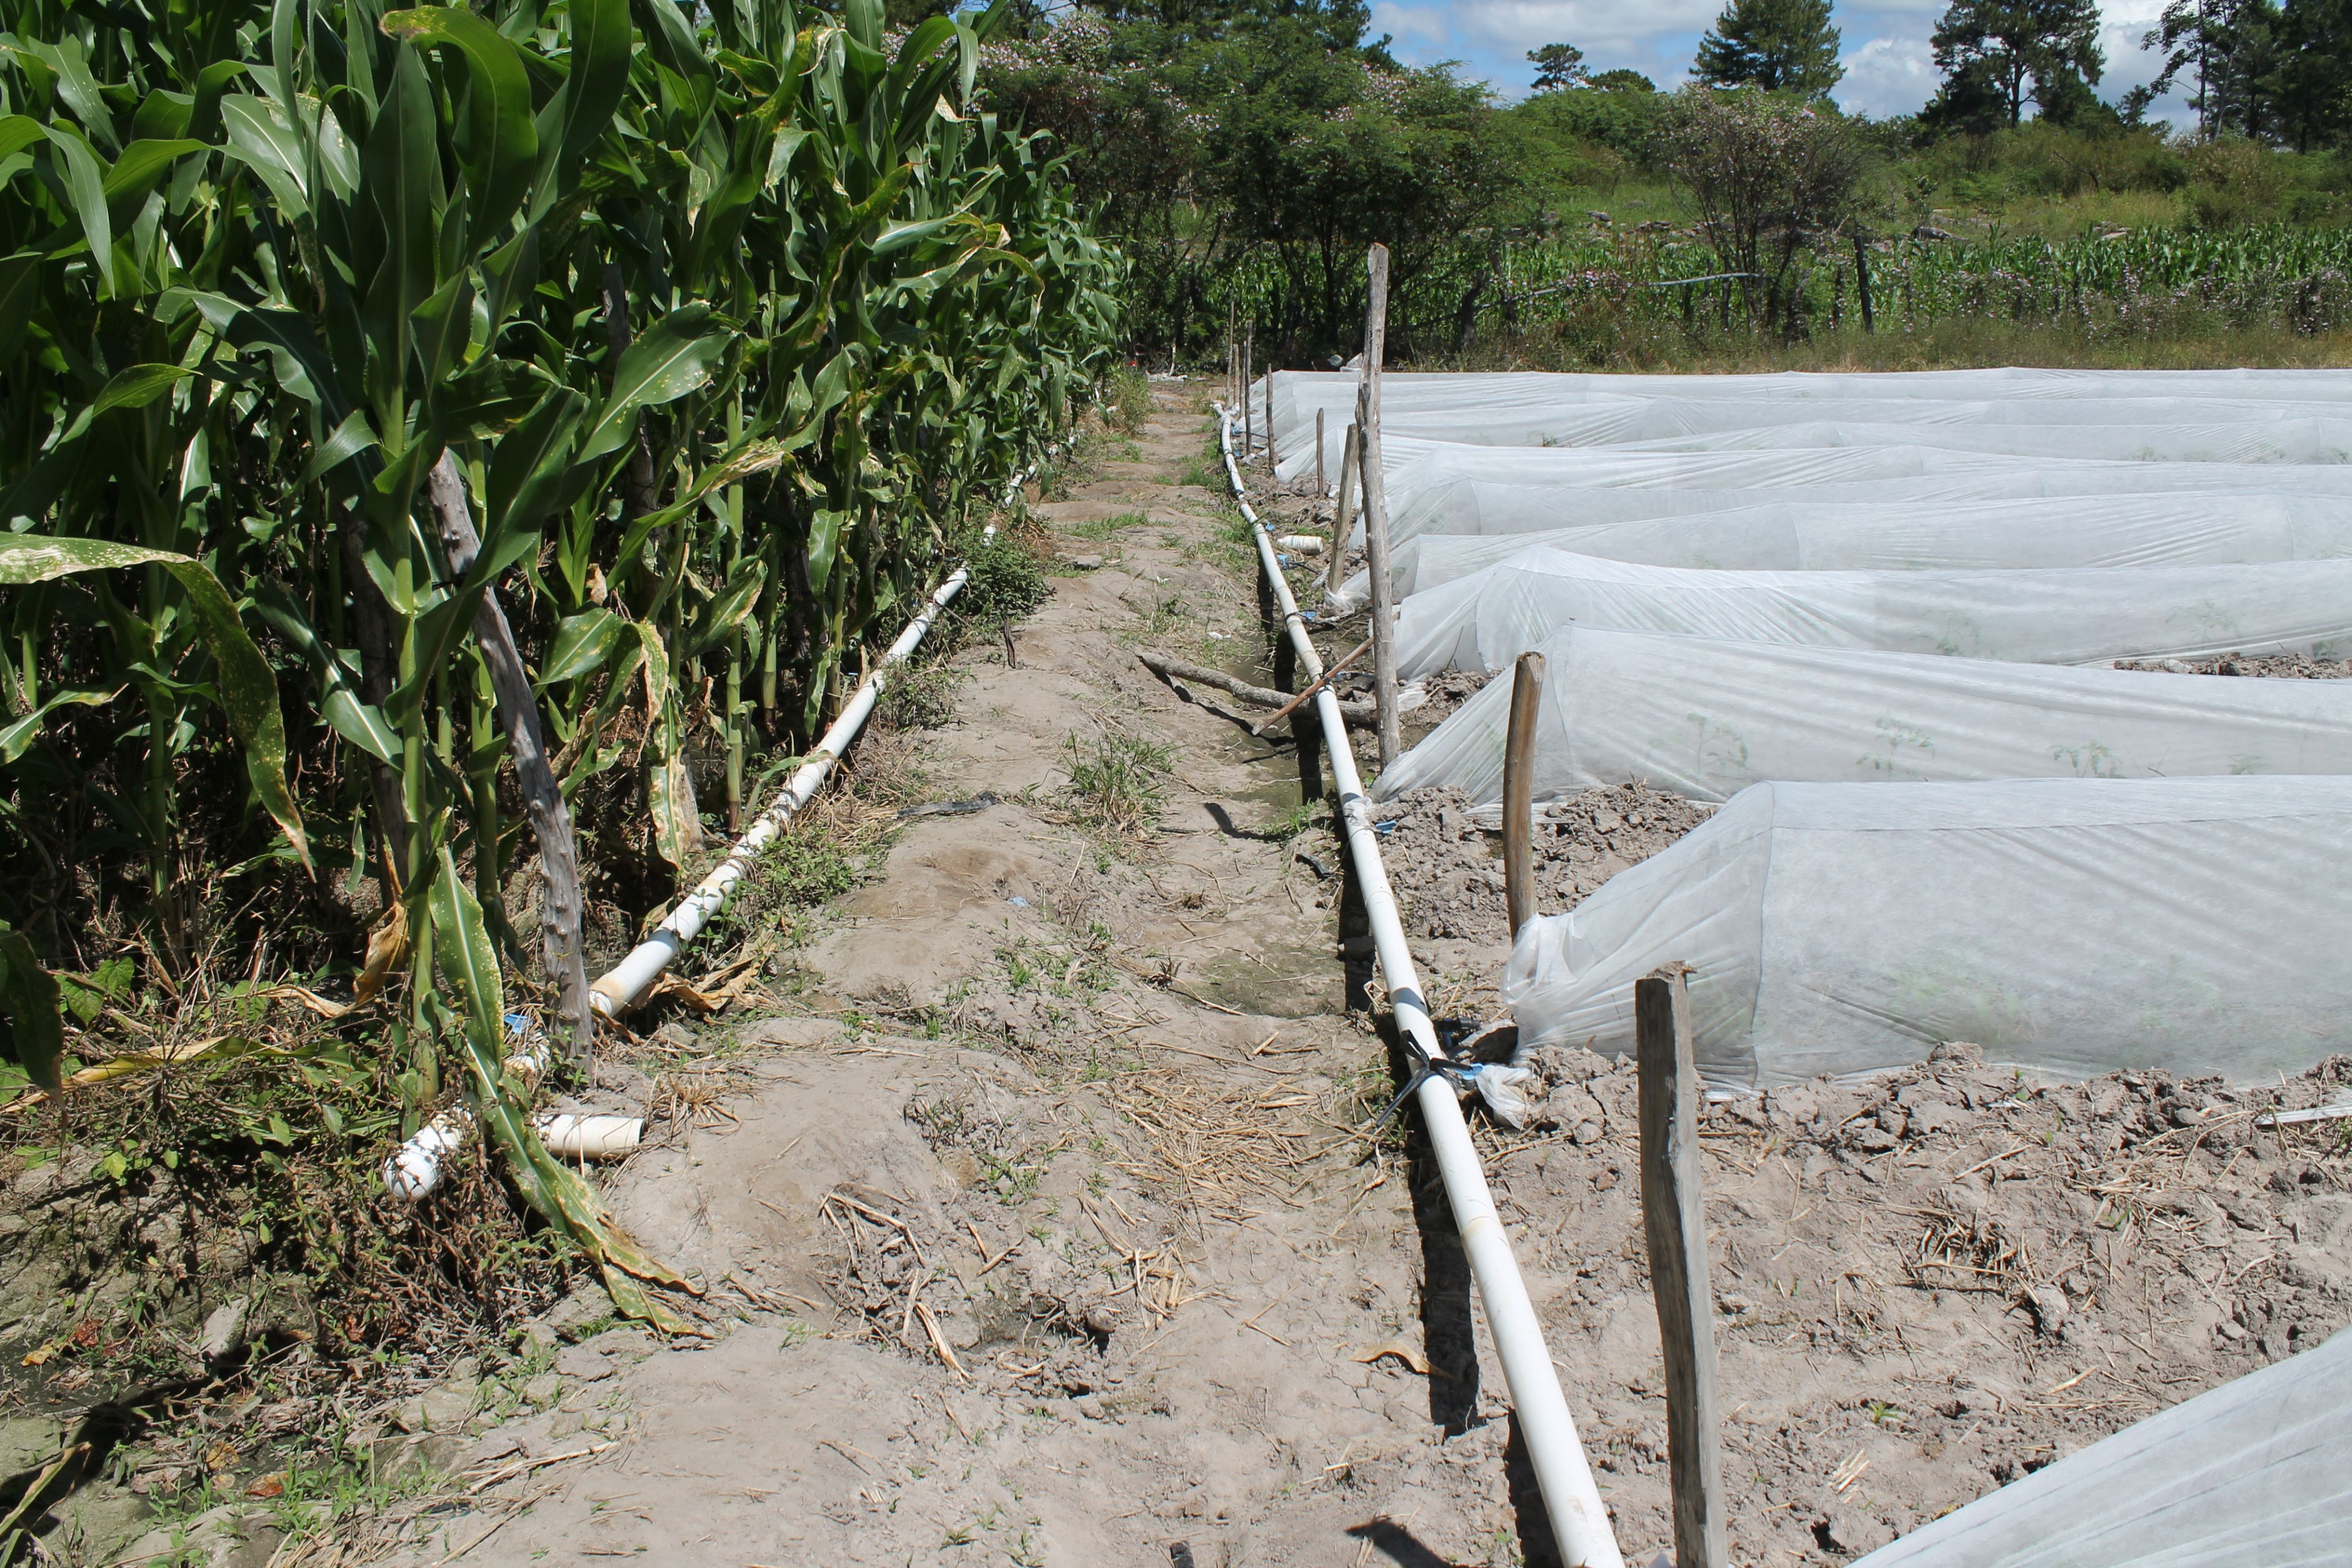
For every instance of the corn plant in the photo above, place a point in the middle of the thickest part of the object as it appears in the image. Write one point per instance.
(460, 404)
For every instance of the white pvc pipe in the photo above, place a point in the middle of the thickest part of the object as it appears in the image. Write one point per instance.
(1579, 1521)
(415, 1168)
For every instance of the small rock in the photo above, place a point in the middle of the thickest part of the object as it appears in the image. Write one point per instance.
(1891, 1118)
(409, 1414)
(579, 1314)
(224, 1332)
(583, 1365)
(543, 1390)
(1086, 563)
(447, 1406)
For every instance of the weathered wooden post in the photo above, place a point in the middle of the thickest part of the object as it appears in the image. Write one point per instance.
(1674, 1222)
(1269, 422)
(1519, 791)
(1249, 352)
(1350, 463)
(1376, 508)
(1861, 282)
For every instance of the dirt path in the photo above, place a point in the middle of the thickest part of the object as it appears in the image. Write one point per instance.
(1081, 1105)
(1042, 1232)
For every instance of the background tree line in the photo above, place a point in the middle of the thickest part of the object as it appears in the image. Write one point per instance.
(1243, 151)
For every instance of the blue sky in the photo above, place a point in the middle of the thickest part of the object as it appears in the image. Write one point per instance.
(1888, 69)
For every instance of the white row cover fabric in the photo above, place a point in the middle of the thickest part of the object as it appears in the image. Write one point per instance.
(1932, 535)
(2256, 1474)
(1705, 720)
(2292, 441)
(1436, 488)
(2069, 926)
(2064, 616)
(1718, 424)
(1516, 401)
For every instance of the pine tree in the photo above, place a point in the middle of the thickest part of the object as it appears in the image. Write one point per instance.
(1558, 65)
(1780, 46)
(1997, 54)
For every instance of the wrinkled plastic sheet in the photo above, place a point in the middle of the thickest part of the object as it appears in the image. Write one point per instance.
(2068, 926)
(2058, 616)
(2282, 440)
(1519, 408)
(2255, 1474)
(1458, 489)
(1927, 536)
(1705, 720)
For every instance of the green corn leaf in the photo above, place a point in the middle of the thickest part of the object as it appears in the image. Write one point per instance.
(583, 645)
(139, 386)
(602, 41)
(17, 737)
(500, 146)
(248, 692)
(351, 716)
(674, 358)
(85, 183)
(728, 609)
(34, 1038)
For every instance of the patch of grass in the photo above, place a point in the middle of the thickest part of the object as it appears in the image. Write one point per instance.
(1115, 781)
(922, 698)
(1126, 398)
(1104, 528)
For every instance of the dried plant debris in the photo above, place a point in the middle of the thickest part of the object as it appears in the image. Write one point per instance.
(2276, 667)
(1935, 1282)
(1445, 691)
(1449, 871)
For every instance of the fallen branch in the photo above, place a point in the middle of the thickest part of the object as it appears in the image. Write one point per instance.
(1359, 714)
(1287, 709)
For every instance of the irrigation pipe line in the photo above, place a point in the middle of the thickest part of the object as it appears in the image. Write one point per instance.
(416, 1169)
(1580, 1522)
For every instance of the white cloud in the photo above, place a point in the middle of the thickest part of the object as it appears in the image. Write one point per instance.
(1411, 24)
(1597, 27)
(1888, 76)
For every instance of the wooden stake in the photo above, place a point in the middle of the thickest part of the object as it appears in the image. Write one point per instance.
(1519, 791)
(1674, 1221)
(1269, 422)
(1376, 508)
(1249, 351)
(1862, 283)
(1321, 490)
(1350, 460)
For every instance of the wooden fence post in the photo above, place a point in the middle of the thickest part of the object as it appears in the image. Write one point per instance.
(1862, 283)
(1376, 508)
(1350, 465)
(1269, 422)
(1519, 791)
(1249, 352)
(1674, 1222)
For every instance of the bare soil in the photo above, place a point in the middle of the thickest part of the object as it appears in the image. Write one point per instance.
(2276, 666)
(1045, 1227)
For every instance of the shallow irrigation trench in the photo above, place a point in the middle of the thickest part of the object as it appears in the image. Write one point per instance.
(1039, 1227)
